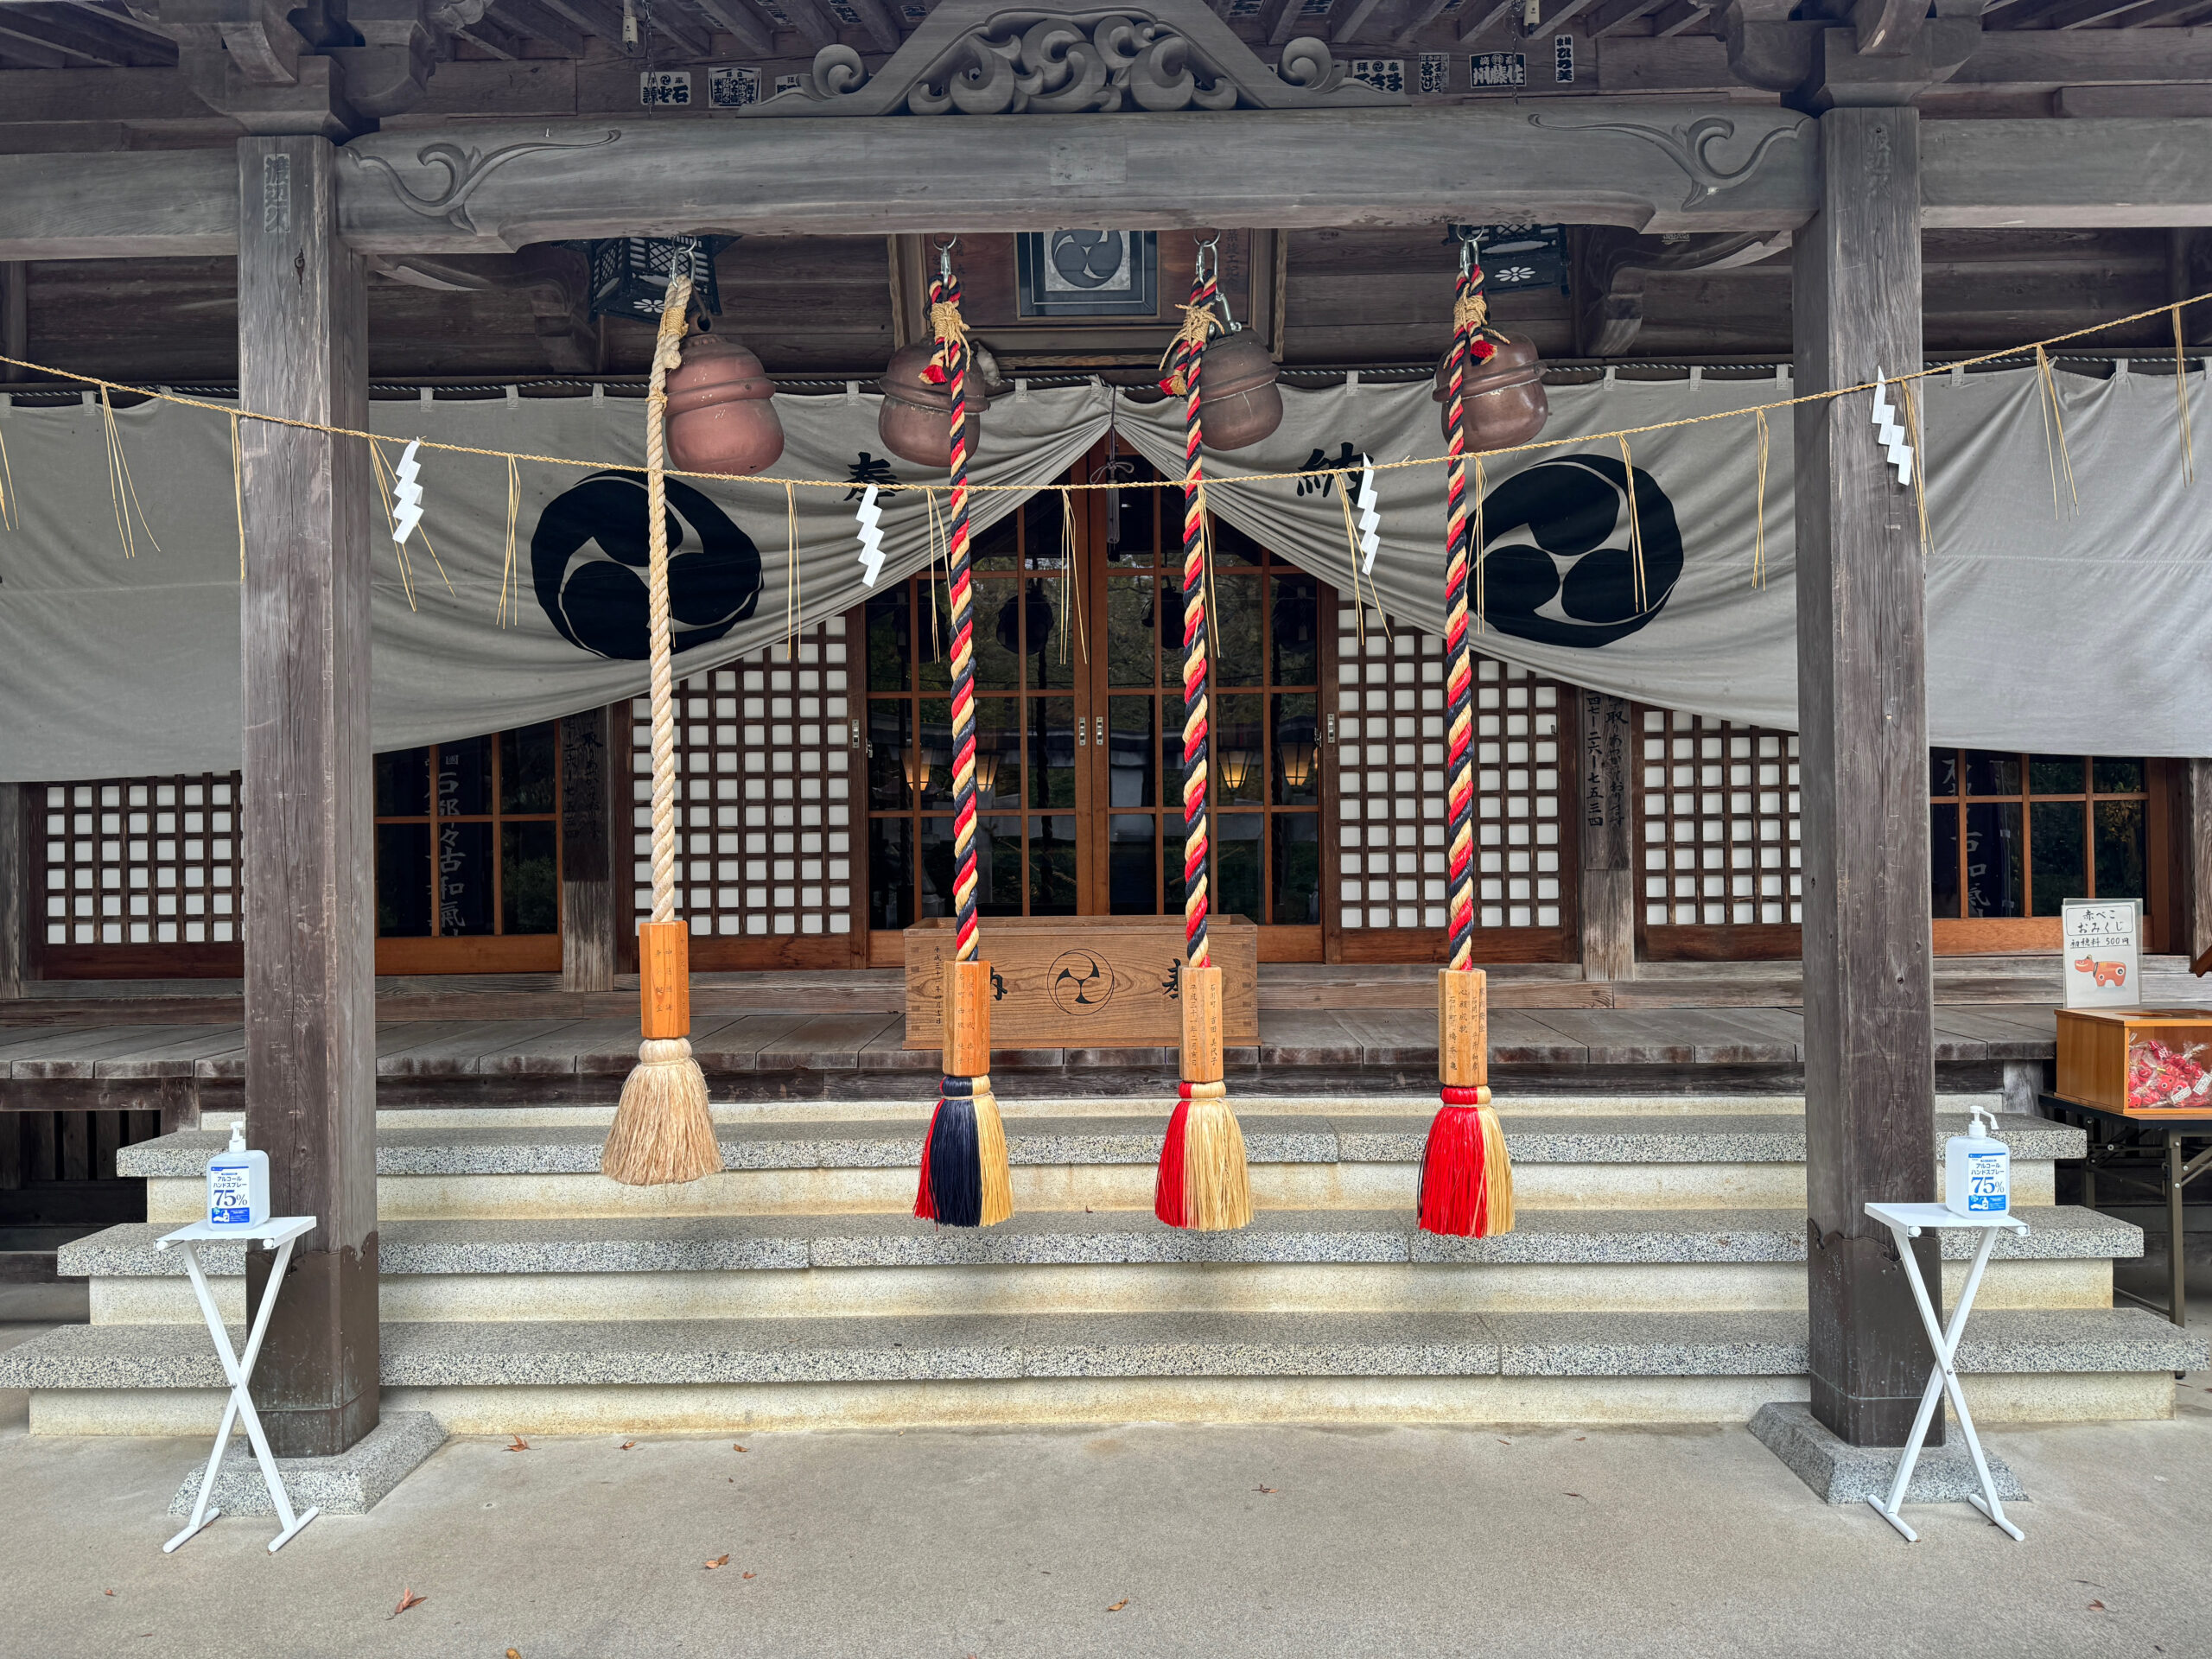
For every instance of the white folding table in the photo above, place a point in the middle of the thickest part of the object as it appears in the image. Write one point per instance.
(278, 1234)
(1905, 1222)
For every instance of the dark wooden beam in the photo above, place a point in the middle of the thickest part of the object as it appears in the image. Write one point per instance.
(1679, 18)
(687, 30)
(1482, 16)
(21, 909)
(1288, 25)
(1568, 11)
(2044, 57)
(812, 21)
(883, 27)
(1354, 20)
(538, 22)
(596, 18)
(2196, 779)
(752, 34)
(2123, 14)
(1862, 710)
(1608, 880)
(594, 864)
(1423, 14)
(310, 976)
(15, 315)
(1589, 161)
(1615, 13)
(493, 36)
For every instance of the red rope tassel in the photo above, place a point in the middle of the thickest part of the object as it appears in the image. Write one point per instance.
(1168, 1200)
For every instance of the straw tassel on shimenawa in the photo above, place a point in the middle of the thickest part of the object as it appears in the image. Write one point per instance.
(965, 1182)
(663, 1132)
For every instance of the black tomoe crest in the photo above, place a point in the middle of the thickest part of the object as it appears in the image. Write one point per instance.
(599, 603)
(1557, 567)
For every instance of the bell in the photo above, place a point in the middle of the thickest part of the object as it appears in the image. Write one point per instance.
(1239, 402)
(721, 418)
(915, 421)
(1504, 395)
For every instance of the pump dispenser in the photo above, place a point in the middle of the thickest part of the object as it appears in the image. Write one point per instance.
(238, 1185)
(1977, 1171)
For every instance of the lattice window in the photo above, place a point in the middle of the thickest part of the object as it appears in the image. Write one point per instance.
(1718, 806)
(763, 750)
(141, 860)
(1390, 757)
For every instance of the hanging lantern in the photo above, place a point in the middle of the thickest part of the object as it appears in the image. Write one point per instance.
(987, 773)
(720, 415)
(1297, 757)
(1504, 393)
(916, 420)
(1239, 402)
(629, 274)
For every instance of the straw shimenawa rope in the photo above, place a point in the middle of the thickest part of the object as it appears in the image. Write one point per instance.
(662, 1130)
(842, 485)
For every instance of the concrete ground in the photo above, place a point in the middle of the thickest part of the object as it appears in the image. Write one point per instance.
(1229, 1541)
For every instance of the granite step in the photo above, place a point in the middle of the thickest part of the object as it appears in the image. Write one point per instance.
(786, 1243)
(666, 1354)
(1044, 1263)
(1299, 1160)
(1269, 1138)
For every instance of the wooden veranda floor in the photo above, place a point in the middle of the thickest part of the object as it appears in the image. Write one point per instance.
(1679, 1027)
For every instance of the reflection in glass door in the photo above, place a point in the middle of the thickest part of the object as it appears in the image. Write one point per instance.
(1030, 793)
(1266, 635)
(468, 852)
(1079, 723)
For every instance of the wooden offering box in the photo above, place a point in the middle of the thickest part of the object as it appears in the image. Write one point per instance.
(2137, 1062)
(1086, 982)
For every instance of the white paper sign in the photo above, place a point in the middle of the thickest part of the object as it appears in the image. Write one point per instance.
(2103, 961)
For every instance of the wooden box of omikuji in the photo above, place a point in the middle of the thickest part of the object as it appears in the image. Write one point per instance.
(2137, 1062)
(1086, 982)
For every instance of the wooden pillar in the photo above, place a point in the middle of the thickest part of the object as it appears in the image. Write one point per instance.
(15, 316)
(16, 897)
(1608, 884)
(1862, 709)
(2195, 820)
(310, 1009)
(590, 928)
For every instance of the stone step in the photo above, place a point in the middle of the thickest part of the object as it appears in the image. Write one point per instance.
(1300, 1160)
(705, 1268)
(526, 1357)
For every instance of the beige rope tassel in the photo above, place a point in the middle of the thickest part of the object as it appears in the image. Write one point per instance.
(663, 1131)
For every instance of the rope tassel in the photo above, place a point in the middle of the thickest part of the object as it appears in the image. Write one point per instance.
(965, 1182)
(1466, 1179)
(663, 1132)
(1202, 1183)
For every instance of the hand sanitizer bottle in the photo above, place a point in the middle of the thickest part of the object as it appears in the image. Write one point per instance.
(1977, 1171)
(238, 1185)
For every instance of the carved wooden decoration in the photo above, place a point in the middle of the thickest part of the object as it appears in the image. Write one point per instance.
(975, 57)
